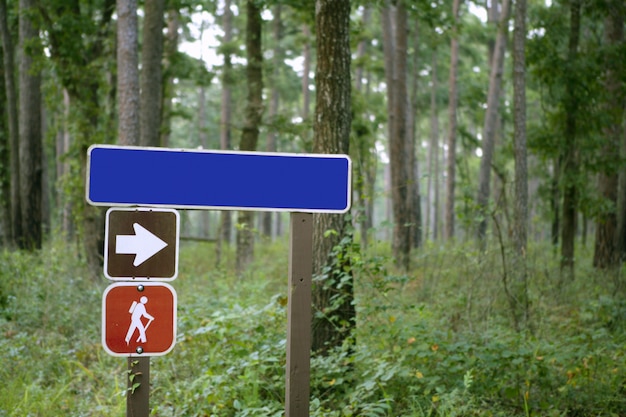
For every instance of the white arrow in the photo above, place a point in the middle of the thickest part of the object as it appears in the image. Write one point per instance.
(143, 244)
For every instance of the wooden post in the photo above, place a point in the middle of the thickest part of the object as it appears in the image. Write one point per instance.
(299, 316)
(138, 399)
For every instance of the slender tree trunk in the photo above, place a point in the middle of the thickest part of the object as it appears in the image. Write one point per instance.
(605, 255)
(620, 244)
(415, 204)
(127, 73)
(267, 216)
(31, 147)
(15, 219)
(490, 125)
(250, 133)
(306, 70)
(151, 73)
(333, 295)
(519, 301)
(170, 49)
(395, 46)
(570, 158)
(63, 168)
(225, 228)
(365, 164)
(5, 176)
(433, 154)
(452, 126)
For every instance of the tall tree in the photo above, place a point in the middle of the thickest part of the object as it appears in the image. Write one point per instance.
(306, 69)
(452, 124)
(365, 160)
(31, 146)
(151, 72)
(333, 288)
(252, 122)
(225, 116)
(395, 38)
(170, 53)
(14, 223)
(491, 120)
(433, 155)
(78, 54)
(127, 73)
(519, 300)
(277, 35)
(606, 254)
(570, 150)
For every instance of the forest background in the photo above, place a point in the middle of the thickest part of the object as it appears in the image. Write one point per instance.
(479, 271)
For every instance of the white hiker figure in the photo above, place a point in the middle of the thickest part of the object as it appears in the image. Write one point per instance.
(137, 312)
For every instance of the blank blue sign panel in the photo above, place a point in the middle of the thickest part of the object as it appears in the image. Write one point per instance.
(185, 178)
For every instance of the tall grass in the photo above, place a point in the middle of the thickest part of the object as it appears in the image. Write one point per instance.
(438, 341)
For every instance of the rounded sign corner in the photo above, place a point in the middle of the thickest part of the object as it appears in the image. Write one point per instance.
(139, 319)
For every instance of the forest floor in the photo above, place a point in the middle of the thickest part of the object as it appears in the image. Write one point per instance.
(438, 341)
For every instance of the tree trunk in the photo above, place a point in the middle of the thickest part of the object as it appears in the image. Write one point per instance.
(433, 155)
(519, 300)
(334, 313)
(411, 150)
(267, 216)
(365, 164)
(570, 151)
(452, 126)
(250, 133)
(491, 120)
(395, 46)
(127, 73)
(306, 69)
(151, 73)
(170, 49)
(5, 176)
(224, 235)
(15, 218)
(30, 149)
(605, 255)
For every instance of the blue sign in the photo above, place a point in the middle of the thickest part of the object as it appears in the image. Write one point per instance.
(229, 180)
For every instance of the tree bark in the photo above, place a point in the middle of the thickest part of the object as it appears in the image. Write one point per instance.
(225, 234)
(306, 69)
(490, 125)
(127, 73)
(570, 151)
(395, 46)
(605, 254)
(267, 216)
(31, 147)
(433, 155)
(250, 133)
(334, 313)
(151, 73)
(452, 126)
(15, 219)
(170, 50)
(519, 301)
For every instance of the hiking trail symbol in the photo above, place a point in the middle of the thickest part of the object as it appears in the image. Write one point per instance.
(137, 314)
(138, 318)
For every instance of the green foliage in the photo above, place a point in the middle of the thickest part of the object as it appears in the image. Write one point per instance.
(436, 342)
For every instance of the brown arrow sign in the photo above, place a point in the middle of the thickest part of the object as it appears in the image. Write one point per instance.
(141, 243)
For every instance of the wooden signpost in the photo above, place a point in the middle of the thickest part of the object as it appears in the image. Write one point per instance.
(301, 184)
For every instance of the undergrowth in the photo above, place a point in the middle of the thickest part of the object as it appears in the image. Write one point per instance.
(435, 342)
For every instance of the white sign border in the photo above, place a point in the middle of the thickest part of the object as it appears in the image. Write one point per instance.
(106, 244)
(135, 284)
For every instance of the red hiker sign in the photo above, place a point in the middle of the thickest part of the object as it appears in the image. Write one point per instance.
(138, 319)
